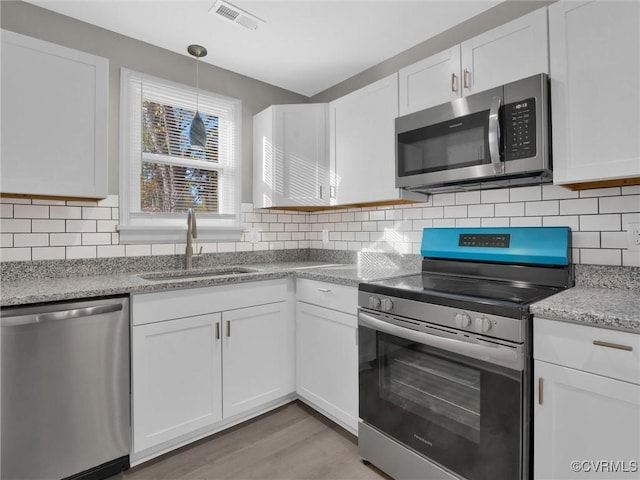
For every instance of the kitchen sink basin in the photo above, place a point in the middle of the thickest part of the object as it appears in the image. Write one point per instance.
(187, 274)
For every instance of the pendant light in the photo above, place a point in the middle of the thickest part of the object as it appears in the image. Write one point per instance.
(197, 132)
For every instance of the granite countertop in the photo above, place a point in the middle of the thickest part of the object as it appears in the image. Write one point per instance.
(613, 308)
(37, 290)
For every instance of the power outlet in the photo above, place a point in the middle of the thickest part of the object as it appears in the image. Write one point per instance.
(325, 236)
(254, 235)
(633, 236)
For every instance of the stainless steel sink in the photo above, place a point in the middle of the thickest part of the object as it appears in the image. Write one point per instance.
(186, 274)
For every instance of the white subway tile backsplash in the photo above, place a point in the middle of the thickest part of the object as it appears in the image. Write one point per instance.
(31, 240)
(276, 227)
(631, 258)
(96, 239)
(510, 209)
(376, 215)
(459, 211)
(110, 251)
(525, 194)
(30, 211)
(421, 224)
(393, 214)
(15, 225)
(65, 212)
(494, 222)
(65, 239)
(411, 213)
(82, 203)
(601, 256)
(341, 227)
(623, 204)
(555, 192)
(468, 222)
(6, 210)
(613, 240)
(284, 218)
(442, 199)
(48, 226)
(495, 196)
(354, 226)
(82, 252)
(21, 201)
(600, 192)
(444, 222)
(467, 198)
(110, 201)
(544, 208)
(6, 240)
(433, 212)
(137, 250)
(15, 254)
(87, 226)
(291, 227)
(600, 223)
(483, 210)
(570, 221)
(48, 253)
(579, 206)
(96, 213)
(168, 248)
(526, 222)
(585, 239)
(106, 226)
(631, 190)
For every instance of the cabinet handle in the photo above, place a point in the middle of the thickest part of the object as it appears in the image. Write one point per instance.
(540, 390)
(217, 330)
(228, 328)
(454, 83)
(325, 290)
(617, 346)
(466, 78)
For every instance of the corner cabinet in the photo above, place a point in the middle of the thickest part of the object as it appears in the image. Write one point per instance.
(586, 402)
(510, 52)
(206, 358)
(54, 120)
(595, 94)
(362, 146)
(290, 156)
(327, 350)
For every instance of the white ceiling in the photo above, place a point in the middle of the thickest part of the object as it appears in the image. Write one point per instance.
(305, 46)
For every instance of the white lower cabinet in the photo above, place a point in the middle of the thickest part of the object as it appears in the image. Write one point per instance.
(327, 351)
(258, 357)
(221, 362)
(176, 378)
(586, 402)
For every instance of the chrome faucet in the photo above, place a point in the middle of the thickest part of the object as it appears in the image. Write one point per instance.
(192, 232)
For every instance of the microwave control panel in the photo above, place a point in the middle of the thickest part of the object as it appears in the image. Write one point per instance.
(520, 129)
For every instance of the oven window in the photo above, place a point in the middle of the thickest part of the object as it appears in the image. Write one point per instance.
(439, 391)
(458, 143)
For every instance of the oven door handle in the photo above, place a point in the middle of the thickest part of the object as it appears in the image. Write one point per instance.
(494, 136)
(509, 357)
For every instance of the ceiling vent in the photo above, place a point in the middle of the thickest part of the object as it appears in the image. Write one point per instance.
(233, 14)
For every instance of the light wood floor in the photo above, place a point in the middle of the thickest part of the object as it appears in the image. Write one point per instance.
(291, 443)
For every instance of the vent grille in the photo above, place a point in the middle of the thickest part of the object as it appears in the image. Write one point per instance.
(235, 15)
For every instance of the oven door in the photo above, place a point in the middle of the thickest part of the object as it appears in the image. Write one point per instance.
(450, 396)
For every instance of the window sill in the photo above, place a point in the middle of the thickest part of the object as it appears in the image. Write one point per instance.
(172, 234)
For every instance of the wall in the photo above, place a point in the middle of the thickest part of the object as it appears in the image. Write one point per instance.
(126, 52)
(40, 230)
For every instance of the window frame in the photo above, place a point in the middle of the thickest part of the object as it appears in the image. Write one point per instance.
(136, 227)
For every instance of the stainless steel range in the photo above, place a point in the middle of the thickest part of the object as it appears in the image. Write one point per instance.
(445, 355)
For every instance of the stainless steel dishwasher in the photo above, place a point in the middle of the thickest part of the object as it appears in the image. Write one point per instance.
(65, 390)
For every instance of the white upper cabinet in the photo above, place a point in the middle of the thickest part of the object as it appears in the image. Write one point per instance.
(291, 162)
(515, 50)
(362, 144)
(54, 119)
(595, 92)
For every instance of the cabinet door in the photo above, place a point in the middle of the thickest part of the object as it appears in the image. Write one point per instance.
(430, 82)
(54, 119)
(583, 417)
(595, 73)
(291, 160)
(259, 357)
(510, 52)
(362, 126)
(176, 378)
(327, 360)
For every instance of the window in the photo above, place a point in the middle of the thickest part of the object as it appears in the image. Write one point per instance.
(162, 175)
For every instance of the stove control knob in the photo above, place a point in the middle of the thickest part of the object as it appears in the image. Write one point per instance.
(463, 320)
(483, 324)
(387, 304)
(374, 302)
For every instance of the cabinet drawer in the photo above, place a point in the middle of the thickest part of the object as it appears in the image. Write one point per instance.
(328, 295)
(167, 305)
(602, 351)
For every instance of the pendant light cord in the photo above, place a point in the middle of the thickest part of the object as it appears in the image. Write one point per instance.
(197, 83)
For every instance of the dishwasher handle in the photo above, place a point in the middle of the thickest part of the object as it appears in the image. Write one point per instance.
(60, 315)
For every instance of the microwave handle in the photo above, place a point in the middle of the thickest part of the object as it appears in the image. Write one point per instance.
(494, 136)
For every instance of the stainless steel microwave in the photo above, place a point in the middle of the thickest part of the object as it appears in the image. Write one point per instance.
(499, 137)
